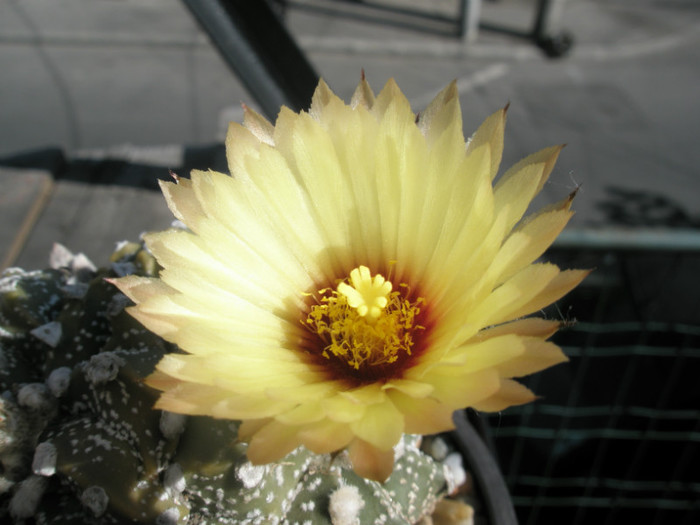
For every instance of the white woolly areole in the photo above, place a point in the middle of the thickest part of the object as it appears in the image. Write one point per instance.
(26, 500)
(59, 381)
(5, 485)
(174, 480)
(34, 396)
(345, 505)
(95, 498)
(103, 367)
(455, 474)
(81, 263)
(60, 257)
(44, 462)
(49, 333)
(438, 448)
(251, 475)
(171, 424)
(168, 517)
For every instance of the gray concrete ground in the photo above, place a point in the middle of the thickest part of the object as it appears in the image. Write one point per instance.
(137, 79)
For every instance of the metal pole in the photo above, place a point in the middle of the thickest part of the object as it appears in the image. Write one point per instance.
(547, 31)
(256, 45)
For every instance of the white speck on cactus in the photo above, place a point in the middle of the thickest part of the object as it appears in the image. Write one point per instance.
(168, 517)
(171, 424)
(279, 475)
(26, 499)
(95, 499)
(455, 474)
(49, 333)
(59, 380)
(308, 506)
(44, 462)
(34, 396)
(174, 480)
(251, 475)
(103, 367)
(345, 505)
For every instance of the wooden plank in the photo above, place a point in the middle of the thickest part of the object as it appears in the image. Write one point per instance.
(92, 218)
(23, 196)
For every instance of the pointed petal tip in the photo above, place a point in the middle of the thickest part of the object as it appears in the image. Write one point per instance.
(573, 194)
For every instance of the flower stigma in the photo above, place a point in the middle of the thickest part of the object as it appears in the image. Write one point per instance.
(364, 323)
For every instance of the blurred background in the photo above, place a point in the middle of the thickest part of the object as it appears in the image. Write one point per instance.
(100, 98)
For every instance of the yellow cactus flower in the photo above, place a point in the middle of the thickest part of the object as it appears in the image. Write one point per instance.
(357, 276)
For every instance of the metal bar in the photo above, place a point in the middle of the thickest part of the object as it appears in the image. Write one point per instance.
(469, 14)
(547, 31)
(633, 239)
(484, 468)
(257, 47)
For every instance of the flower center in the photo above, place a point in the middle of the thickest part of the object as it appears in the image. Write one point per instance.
(364, 323)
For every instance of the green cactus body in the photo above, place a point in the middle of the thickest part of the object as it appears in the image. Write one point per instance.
(81, 442)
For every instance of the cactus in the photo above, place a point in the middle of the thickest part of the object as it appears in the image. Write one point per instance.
(81, 443)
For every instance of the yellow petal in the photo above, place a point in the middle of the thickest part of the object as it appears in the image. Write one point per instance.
(391, 95)
(415, 389)
(240, 144)
(525, 245)
(508, 300)
(272, 442)
(325, 436)
(441, 114)
(322, 98)
(381, 425)
(249, 427)
(258, 126)
(512, 196)
(480, 355)
(467, 209)
(509, 394)
(363, 95)
(422, 415)
(370, 462)
(532, 326)
(459, 391)
(198, 399)
(305, 393)
(301, 415)
(555, 289)
(140, 289)
(538, 355)
(368, 394)
(182, 201)
(342, 410)
(547, 157)
(491, 132)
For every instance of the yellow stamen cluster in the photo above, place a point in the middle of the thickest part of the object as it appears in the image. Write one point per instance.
(365, 323)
